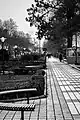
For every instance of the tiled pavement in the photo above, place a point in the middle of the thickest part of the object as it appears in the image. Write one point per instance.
(63, 96)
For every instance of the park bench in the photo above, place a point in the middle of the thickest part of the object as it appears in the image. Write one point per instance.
(17, 107)
(29, 90)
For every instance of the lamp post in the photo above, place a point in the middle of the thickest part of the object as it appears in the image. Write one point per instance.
(76, 50)
(3, 40)
(15, 50)
(24, 49)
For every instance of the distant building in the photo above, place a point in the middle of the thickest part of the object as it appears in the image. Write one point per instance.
(74, 41)
(71, 52)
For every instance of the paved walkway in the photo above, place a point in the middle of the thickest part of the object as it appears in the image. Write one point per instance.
(63, 96)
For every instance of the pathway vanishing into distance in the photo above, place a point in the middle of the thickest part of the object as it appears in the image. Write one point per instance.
(63, 96)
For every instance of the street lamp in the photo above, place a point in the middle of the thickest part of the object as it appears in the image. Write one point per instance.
(15, 50)
(3, 40)
(76, 50)
(24, 49)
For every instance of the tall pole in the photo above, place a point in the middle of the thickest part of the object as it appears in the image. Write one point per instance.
(76, 49)
(3, 40)
(15, 50)
(3, 58)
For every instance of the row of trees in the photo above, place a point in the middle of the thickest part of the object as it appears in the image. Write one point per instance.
(56, 20)
(9, 30)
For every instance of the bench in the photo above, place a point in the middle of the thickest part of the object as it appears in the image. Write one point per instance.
(18, 91)
(18, 107)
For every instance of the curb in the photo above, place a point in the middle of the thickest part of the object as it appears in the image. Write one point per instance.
(73, 66)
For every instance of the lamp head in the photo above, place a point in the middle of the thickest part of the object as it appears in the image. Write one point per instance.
(24, 48)
(15, 46)
(2, 39)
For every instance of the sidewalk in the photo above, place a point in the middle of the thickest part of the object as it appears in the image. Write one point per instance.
(63, 96)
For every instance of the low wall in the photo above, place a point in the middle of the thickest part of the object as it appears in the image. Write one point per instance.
(72, 59)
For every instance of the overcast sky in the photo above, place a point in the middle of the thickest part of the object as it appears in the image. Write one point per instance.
(16, 9)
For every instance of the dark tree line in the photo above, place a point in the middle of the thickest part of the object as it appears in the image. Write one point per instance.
(9, 30)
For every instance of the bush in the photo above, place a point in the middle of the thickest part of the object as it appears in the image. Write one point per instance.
(5, 53)
(20, 71)
(38, 82)
(32, 57)
(40, 72)
(27, 57)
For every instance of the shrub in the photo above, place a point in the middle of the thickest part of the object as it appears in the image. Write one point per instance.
(38, 82)
(4, 54)
(40, 72)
